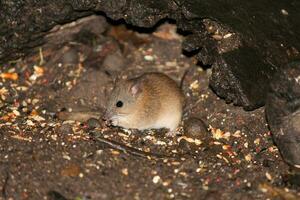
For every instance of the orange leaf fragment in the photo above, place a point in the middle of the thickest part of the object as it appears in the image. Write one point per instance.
(11, 76)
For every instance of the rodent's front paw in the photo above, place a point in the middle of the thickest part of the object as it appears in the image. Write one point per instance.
(172, 133)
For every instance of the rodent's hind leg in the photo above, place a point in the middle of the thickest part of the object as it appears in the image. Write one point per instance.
(136, 131)
(172, 133)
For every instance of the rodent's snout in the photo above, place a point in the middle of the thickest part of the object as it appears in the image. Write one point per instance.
(107, 122)
(107, 119)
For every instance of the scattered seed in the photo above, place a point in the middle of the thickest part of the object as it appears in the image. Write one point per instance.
(148, 58)
(125, 171)
(284, 12)
(257, 141)
(268, 175)
(156, 179)
(228, 35)
(217, 37)
(248, 157)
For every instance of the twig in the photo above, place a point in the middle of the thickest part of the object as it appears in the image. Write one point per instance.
(127, 149)
(41, 56)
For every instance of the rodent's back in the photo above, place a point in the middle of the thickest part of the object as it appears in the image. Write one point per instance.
(161, 98)
(161, 85)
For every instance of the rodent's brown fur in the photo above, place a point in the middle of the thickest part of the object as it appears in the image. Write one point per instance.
(160, 85)
(160, 98)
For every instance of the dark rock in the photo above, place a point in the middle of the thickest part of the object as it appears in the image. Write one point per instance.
(252, 83)
(114, 62)
(70, 57)
(53, 195)
(241, 74)
(87, 37)
(87, 31)
(195, 128)
(245, 43)
(65, 129)
(96, 25)
(103, 50)
(86, 95)
(283, 112)
(294, 179)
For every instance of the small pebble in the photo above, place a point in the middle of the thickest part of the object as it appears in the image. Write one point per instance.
(93, 123)
(294, 179)
(196, 128)
(156, 179)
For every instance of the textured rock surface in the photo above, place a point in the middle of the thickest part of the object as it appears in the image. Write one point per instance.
(245, 43)
(283, 112)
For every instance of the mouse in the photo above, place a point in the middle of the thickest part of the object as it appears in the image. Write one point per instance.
(150, 101)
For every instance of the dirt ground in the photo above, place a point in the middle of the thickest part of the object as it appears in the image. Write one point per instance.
(50, 150)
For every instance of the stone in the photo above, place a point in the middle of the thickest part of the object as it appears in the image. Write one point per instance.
(93, 123)
(195, 128)
(283, 112)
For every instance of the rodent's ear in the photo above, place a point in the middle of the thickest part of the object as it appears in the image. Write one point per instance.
(135, 88)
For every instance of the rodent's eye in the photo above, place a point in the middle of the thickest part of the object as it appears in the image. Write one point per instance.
(119, 104)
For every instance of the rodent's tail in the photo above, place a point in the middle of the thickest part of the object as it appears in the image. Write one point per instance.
(183, 77)
(186, 108)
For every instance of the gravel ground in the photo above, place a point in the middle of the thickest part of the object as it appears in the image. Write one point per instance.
(51, 149)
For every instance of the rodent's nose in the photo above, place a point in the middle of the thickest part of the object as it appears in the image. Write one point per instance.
(106, 119)
(108, 122)
(105, 116)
